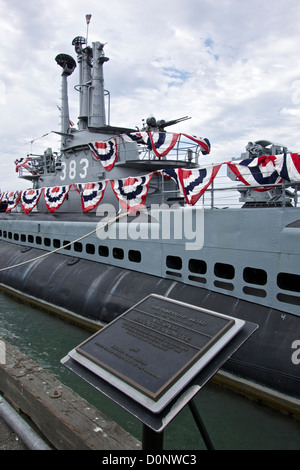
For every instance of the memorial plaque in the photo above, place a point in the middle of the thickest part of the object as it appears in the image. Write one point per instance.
(156, 347)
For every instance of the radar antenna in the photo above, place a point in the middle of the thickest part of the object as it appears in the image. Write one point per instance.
(67, 63)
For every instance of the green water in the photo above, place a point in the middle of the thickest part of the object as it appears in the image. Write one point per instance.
(233, 422)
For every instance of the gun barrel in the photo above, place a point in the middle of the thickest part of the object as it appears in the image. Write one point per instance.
(175, 121)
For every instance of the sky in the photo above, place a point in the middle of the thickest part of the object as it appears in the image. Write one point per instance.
(233, 66)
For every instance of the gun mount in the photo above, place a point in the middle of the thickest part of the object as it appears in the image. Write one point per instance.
(153, 124)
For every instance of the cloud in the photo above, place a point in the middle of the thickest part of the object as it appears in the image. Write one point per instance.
(231, 65)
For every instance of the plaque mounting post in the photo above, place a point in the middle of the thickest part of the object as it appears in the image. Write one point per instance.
(152, 440)
(200, 424)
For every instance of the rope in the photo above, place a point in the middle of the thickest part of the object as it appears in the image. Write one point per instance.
(68, 244)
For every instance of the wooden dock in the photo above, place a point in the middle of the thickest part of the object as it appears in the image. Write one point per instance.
(64, 419)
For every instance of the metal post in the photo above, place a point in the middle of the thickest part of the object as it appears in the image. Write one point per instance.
(152, 440)
(201, 426)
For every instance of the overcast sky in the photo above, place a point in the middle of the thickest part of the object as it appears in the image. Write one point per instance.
(232, 65)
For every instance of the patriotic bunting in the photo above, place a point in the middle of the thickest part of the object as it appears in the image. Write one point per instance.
(106, 152)
(24, 163)
(194, 182)
(171, 173)
(256, 171)
(133, 137)
(288, 166)
(203, 142)
(3, 197)
(54, 197)
(29, 199)
(132, 192)
(161, 143)
(91, 195)
(12, 198)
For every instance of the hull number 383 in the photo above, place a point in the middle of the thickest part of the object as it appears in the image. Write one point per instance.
(73, 170)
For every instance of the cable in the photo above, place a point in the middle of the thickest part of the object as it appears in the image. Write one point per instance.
(68, 244)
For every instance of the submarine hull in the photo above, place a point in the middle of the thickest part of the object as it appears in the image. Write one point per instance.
(96, 293)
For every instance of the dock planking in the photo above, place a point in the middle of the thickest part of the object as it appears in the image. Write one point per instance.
(62, 417)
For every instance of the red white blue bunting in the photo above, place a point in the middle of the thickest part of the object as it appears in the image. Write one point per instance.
(170, 173)
(106, 152)
(194, 182)
(12, 198)
(29, 199)
(132, 192)
(91, 194)
(203, 142)
(161, 143)
(133, 137)
(54, 197)
(24, 163)
(258, 171)
(288, 166)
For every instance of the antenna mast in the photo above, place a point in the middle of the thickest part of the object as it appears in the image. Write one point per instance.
(88, 19)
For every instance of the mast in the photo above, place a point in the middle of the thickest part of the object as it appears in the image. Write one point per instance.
(68, 65)
(91, 81)
(97, 106)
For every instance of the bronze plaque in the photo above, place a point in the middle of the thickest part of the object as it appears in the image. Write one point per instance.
(154, 343)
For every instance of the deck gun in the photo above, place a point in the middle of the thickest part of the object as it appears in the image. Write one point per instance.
(153, 124)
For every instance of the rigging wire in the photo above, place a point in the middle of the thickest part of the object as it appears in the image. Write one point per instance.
(119, 216)
(25, 143)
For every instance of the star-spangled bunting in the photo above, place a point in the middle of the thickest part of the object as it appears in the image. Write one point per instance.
(54, 197)
(29, 199)
(106, 152)
(131, 192)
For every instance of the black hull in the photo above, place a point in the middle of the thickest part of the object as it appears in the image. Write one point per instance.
(99, 293)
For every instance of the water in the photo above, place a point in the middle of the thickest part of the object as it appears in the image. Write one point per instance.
(233, 421)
